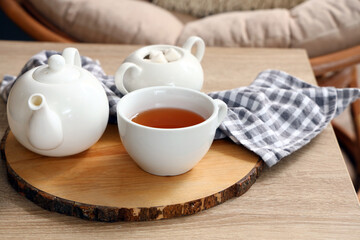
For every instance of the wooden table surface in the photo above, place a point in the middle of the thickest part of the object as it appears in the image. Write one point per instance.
(308, 195)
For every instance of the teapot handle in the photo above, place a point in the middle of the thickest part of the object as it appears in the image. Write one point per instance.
(200, 46)
(72, 56)
(119, 75)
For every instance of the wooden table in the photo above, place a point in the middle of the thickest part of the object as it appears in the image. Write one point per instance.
(308, 195)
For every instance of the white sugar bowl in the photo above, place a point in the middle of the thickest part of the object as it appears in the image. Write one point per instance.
(58, 109)
(170, 66)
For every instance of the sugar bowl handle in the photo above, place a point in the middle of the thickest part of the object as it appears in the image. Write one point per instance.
(200, 46)
(120, 73)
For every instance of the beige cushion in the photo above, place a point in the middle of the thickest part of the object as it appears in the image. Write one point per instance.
(320, 27)
(323, 27)
(262, 28)
(203, 8)
(112, 21)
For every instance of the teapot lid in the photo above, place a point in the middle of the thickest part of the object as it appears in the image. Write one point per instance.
(57, 71)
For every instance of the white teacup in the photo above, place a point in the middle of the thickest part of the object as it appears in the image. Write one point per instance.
(171, 151)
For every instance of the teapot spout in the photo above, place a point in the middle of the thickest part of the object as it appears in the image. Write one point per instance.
(45, 129)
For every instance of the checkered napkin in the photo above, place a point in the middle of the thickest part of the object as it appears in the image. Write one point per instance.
(273, 117)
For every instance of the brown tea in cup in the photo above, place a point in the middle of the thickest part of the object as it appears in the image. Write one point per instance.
(168, 151)
(167, 118)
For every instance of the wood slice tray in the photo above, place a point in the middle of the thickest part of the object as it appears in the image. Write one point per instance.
(104, 183)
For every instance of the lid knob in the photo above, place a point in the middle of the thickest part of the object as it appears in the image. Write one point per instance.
(56, 62)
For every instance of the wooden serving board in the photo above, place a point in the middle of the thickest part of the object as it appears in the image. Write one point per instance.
(104, 183)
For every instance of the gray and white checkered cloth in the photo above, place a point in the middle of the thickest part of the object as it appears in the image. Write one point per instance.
(273, 117)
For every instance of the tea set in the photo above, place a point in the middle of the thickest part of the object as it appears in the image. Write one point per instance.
(49, 109)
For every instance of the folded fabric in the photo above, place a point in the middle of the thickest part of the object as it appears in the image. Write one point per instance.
(278, 113)
(273, 117)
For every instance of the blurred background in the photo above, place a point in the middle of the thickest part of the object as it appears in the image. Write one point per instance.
(10, 31)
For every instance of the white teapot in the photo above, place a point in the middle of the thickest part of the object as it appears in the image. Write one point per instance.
(58, 109)
(137, 71)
